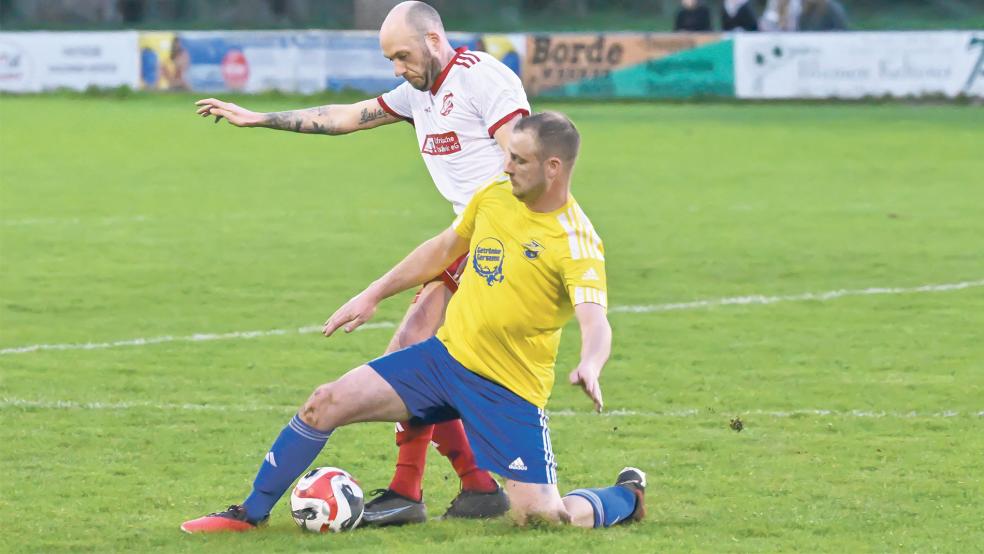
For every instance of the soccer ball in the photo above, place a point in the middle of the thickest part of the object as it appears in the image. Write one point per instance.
(327, 499)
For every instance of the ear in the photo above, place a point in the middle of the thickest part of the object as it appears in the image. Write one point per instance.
(554, 166)
(433, 42)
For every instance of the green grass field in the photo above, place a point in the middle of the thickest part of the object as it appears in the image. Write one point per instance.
(132, 219)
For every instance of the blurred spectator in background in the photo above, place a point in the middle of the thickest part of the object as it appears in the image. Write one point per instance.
(132, 11)
(175, 69)
(693, 16)
(278, 8)
(822, 15)
(781, 15)
(738, 15)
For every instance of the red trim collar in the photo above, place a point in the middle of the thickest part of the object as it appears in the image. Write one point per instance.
(447, 69)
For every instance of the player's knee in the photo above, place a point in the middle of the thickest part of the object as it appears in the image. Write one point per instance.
(317, 411)
(533, 515)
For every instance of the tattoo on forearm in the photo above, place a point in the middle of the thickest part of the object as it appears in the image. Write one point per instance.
(368, 116)
(313, 120)
(280, 120)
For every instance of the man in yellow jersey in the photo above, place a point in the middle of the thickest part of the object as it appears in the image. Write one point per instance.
(535, 260)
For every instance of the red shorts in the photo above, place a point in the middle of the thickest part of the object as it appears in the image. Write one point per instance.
(449, 276)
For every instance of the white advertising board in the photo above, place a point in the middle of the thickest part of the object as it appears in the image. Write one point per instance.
(856, 65)
(37, 61)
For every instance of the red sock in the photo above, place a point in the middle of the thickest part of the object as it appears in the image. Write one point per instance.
(413, 442)
(452, 443)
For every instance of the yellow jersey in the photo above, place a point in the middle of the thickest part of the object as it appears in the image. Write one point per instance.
(525, 273)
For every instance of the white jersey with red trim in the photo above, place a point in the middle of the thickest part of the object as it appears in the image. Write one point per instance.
(457, 118)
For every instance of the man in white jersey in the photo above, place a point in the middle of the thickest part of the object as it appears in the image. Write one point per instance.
(463, 106)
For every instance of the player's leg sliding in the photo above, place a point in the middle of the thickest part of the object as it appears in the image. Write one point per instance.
(291, 454)
(590, 508)
(622, 503)
(359, 395)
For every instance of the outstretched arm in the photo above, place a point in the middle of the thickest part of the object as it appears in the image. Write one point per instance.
(596, 346)
(426, 261)
(333, 119)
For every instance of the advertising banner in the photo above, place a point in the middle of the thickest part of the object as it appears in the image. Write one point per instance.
(38, 61)
(510, 49)
(557, 59)
(856, 65)
(704, 71)
(289, 61)
(247, 61)
(355, 61)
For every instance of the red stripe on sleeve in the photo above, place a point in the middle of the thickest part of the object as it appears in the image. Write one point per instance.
(391, 111)
(523, 112)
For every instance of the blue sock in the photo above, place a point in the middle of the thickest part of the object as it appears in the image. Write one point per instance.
(293, 451)
(611, 504)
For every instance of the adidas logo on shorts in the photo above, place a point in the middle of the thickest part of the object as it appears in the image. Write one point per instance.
(517, 465)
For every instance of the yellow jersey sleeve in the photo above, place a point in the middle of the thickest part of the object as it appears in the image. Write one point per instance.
(586, 281)
(583, 265)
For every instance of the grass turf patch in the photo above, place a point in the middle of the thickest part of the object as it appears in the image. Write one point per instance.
(130, 218)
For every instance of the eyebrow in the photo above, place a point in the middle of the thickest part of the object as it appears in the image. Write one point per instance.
(396, 54)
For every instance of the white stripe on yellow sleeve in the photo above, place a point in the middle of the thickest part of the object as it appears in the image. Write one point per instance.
(571, 236)
(591, 295)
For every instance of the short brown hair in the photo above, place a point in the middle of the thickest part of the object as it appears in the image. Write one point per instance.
(555, 134)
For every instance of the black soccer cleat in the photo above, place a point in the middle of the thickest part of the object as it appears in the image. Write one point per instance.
(392, 508)
(478, 505)
(634, 479)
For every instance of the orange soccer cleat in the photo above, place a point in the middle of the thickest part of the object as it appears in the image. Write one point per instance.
(232, 520)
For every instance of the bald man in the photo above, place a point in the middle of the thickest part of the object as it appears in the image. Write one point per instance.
(463, 106)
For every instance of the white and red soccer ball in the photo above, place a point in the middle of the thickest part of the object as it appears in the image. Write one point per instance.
(327, 499)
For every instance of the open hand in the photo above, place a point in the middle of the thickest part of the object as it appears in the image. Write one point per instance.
(588, 379)
(352, 314)
(237, 115)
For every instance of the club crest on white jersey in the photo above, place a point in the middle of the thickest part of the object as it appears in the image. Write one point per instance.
(456, 120)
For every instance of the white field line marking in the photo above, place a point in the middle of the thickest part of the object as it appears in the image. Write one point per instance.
(198, 337)
(123, 219)
(737, 300)
(11, 402)
(51, 221)
(817, 296)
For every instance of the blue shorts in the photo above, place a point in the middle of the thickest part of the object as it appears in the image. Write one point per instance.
(508, 434)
